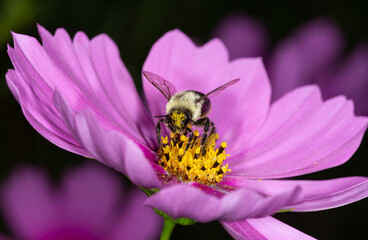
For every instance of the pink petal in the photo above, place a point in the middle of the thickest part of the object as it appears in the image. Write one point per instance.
(331, 193)
(108, 146)
(301, 135)
(42, 116)
(28, 85)
(36, 70)
(120, 89)
(175, 58)
(263, 228)
(298, 59)
(239, 111)
(242, 35)
(96, 68)
(317, 195)
(89, 195)
(137, 221)
(89, 202)
(35, 66)
(208, 189)
(349, 78)
(79, 74)
(186, 201)
(29, 204)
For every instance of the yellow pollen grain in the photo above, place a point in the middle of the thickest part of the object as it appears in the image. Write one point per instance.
(196, 133)
(183, 138)
(172, 135)
(191, 161)
(178, 117)
(181, 152)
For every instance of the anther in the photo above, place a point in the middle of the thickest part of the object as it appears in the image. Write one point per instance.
(193, 164)
(197, 152)
(222, 148)
(181, 152)
(195, 134)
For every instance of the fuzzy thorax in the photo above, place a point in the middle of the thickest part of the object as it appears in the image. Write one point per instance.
(193, 163)
(186, 100)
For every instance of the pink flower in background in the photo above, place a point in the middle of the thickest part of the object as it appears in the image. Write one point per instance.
(311, 55)
(89, 204)
(243, 36)
(79, 95)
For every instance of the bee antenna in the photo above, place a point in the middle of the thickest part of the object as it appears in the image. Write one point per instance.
(160, 116)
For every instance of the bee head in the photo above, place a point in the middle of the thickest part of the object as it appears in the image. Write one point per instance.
(178, 120)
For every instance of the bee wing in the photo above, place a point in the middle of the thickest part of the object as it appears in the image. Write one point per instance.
(218, 90)
(165, 87)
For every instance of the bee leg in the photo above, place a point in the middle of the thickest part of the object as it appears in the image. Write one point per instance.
(158, 131)
(207, 124)
(205, 138)
(190, 138)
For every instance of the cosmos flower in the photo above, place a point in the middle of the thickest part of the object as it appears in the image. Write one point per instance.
(79, 95)
(311, 55)
(90, 203)
(243, 36)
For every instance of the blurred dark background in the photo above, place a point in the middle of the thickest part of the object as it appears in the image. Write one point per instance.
(135, 26)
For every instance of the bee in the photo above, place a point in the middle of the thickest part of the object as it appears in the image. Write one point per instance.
(185, 107)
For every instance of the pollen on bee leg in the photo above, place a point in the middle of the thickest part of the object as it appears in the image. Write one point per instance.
(183, 156)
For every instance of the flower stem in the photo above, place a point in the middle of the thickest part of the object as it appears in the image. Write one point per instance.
(167, 229)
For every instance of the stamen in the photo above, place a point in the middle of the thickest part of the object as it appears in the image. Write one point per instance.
(222, 148)
(185, 158)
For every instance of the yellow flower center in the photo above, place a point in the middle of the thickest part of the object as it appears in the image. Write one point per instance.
(190, 161)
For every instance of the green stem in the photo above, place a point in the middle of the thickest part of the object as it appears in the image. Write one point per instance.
(167, 229)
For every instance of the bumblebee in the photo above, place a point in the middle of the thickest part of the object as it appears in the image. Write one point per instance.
(185, 108)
